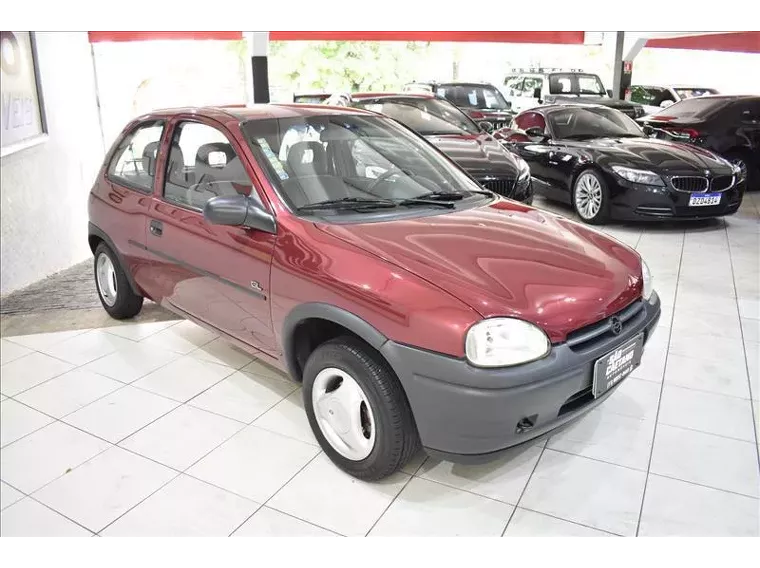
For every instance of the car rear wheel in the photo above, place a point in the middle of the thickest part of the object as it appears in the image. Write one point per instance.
(590, 198)
(114, 291)
(358, 410)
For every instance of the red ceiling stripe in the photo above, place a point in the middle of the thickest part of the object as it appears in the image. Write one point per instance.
(482, 36)
(735, 41)
(145, 36)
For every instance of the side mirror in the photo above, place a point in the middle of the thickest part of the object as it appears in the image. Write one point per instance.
(536, 132)
(609, 93)
(238, 211)
(665, 104)
(486, 126)
(537, 93)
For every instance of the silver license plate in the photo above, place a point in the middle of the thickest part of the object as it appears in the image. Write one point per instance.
(616, 365)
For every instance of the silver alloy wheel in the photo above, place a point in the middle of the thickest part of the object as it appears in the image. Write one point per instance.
(588, 195)
(343, 413)
(105, 276)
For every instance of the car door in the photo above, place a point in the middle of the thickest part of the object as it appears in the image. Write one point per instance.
(127, 189)
(216, 274)
(535, 150)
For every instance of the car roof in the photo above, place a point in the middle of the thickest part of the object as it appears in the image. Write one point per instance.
(254, 112)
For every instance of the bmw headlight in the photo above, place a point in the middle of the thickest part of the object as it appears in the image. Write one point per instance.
(644, 177)
(738, 172)
(502, 342)
(524, 170)
(648, 287)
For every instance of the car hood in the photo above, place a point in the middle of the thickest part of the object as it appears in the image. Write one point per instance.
(663, 156)
(507, 259)
(480, 155)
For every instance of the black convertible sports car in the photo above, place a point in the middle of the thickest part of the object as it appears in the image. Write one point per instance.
(456, 135)
(603, 164)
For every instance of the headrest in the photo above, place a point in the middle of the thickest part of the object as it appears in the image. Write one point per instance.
(149, 158)
(307, 158)
(207, 150)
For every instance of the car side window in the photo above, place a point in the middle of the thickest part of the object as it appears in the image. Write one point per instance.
(530, 120)
(134, 161)
(750, 113)
(201, 165)
(513, 86)
(530, 86)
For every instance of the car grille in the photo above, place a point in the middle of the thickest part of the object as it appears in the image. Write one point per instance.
(690, 183)
(499, 123)
(587, 336)
(504, 186)
(701, 184)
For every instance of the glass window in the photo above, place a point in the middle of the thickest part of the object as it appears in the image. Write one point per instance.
(426, 116)
(134, 161)
(692, 92)
(474, 96)
(575, 84)
(202, 164)
(579, 123)
(355, 157)
(651, 96)
(530, 86)
(513, 86)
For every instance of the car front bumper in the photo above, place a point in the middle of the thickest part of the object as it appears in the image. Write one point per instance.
(467, 414)
(638, 202)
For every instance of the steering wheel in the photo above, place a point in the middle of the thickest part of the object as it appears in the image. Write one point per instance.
(383, 177)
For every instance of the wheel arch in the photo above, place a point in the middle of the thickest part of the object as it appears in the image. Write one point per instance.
(95, 236)
(311, 324)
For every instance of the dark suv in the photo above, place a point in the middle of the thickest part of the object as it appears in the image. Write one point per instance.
(727, 125)
(415, 307)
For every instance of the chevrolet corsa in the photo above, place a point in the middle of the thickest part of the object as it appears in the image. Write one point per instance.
(416, 308)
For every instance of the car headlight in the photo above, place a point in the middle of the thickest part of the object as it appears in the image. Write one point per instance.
(648, 287)
(644, 177)
(502, 342)
(524, 171)
(738, 172)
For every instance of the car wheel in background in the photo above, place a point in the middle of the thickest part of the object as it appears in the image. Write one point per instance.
(358, 410)
(114, 290)
(591, 198)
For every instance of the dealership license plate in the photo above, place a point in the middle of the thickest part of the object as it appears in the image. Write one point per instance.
(615, 366)
(704, 199)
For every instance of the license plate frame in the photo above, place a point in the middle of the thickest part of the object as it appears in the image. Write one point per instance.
(704, 199)
(606, 378)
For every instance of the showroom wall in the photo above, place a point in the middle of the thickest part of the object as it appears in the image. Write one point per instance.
(45, 185)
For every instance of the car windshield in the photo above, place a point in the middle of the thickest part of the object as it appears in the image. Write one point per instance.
(353, 161)
(575, 84)
(578, 123)
(474, 96)
(692, 92)
(698, 108)
(426, 116)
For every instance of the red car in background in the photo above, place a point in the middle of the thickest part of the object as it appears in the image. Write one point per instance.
(416, 308)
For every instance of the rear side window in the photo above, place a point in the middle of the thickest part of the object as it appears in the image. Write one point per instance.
(134, 161)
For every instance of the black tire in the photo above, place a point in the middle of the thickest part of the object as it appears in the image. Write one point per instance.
(603, 214)
(127, 304)
(396, 438)
(752, 182)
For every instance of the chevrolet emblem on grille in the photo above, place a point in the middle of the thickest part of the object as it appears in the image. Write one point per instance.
(616, 326)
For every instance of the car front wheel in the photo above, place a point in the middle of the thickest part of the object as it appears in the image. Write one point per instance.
(590, 198)
(358, 410)
(114, 290)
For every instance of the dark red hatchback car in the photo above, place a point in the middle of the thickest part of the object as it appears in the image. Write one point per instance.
(416, 308)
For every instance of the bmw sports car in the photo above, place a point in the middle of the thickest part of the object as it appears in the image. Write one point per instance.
(602, 163)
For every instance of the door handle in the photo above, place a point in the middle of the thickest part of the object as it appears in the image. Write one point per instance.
(157, 228)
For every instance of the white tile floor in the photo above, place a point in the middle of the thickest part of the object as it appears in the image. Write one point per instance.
(164, 429)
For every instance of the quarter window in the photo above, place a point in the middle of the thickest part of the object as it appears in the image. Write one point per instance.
(202, 165)
(134, 161)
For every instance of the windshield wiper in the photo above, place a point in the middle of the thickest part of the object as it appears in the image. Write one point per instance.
(452, 195)
(581, 136)
(418, 201)
(348, 203)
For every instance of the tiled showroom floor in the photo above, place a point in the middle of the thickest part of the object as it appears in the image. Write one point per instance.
(164, 429)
